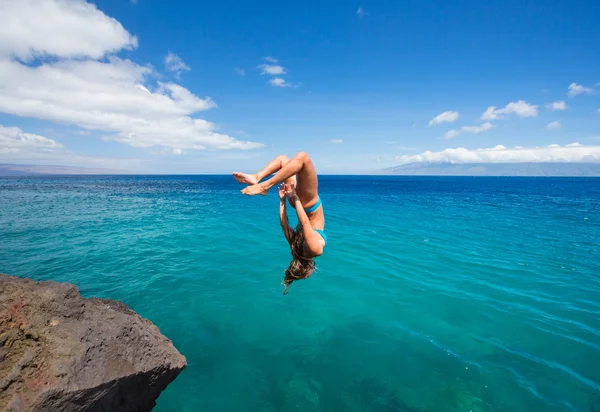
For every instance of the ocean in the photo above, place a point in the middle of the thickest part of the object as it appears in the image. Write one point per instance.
(434, 293)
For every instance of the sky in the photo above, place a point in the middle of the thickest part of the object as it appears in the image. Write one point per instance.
(215, 87)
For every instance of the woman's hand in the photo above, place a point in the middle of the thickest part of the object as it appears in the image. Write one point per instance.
(291, 192)
(282, 191)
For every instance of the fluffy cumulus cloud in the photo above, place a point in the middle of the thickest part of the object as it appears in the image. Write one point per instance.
(573, 152)
(446, 117)
(67, 29)
(469, 129)
(273, 70)
(557, 106)
(553, 125)
(279, 82)
(112, 96)
(577, 89)
(271, 59)
(521, 108)
(175, 64)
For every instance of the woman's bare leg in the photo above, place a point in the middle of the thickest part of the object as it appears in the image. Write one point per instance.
(273, 166)
(300, 165)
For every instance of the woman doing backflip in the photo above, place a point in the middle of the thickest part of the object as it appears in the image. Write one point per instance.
(298, 183)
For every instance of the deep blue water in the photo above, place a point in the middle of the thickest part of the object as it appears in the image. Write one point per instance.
(434, 294)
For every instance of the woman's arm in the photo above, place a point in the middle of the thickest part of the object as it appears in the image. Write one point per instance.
(283, 219)
(313, 240)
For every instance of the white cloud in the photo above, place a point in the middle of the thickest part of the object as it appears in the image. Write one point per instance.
(553, 125)
(276, 70)
(478, 129)
(338, 141)
(577, 89)
(521, 108)
(469, 129)
(271, 59)
(557, 106)
(175, 64)
(13, 139)
(17, 146)
(574, 145)
(112, 95)
(360, 12)
(271, 69)
(446, 117)
(490, 114)
(77, 91)
(501, 154)
(279, 82)
(450, 134)
(59, 28)
(239, 71)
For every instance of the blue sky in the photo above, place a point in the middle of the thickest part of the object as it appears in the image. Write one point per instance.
(357, 85)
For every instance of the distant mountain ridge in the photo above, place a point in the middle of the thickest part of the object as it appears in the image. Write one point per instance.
(33, 170)
(495, 169)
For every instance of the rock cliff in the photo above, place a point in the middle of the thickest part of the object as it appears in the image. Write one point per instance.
(61, 352)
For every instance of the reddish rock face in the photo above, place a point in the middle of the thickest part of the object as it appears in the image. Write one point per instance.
(61, 352)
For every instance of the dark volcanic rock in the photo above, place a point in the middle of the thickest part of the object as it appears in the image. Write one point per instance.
(61, 352)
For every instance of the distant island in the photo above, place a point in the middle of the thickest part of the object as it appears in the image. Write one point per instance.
(495, 169)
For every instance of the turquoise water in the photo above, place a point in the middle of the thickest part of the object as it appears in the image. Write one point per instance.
(435, 294)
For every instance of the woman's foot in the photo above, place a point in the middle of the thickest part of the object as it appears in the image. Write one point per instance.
(246, 178)
(257, 189)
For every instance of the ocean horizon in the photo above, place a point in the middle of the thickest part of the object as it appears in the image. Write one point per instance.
(434, 293)
(439, 169)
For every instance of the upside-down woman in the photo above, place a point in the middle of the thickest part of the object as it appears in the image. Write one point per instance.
(298, 183)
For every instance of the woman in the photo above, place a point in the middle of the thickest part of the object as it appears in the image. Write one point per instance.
(297, 180)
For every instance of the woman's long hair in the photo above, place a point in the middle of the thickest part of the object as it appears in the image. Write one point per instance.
(300, 267)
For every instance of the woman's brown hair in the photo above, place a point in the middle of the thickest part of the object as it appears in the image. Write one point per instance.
(300, 267)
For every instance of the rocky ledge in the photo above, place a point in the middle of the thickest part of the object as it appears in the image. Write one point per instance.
(61, 352)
